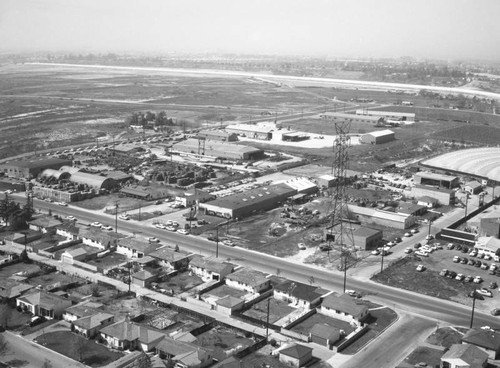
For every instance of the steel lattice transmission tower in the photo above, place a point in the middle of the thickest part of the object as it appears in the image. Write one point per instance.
(340, 234)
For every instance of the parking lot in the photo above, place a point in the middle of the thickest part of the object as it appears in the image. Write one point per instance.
(432, 280)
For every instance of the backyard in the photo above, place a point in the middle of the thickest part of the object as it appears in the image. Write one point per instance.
(277, 310)
(224, 342)
(78, 348)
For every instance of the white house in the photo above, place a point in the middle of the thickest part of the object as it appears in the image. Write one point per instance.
(209, 268)
(248, 280)
(345, 308)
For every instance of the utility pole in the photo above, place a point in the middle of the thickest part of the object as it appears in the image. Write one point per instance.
(217, 243)
(267, 320)
(116, 216)
(466, 203)
(473, 308)
(382, 263)
(429, 233)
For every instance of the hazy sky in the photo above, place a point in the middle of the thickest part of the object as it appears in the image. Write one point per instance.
(443, 29)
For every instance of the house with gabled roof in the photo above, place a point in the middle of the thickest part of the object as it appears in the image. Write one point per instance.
(487, 340)
(344, 307)
(185, 354)
(43, 223)
(68, 230)
(98, 238)
(126, 335)
(464, 356)
(89, 326)
(228, 304)
(249, 280)
(134, 248)
(44, 304)
(324, 334)
(80, 310)
(78, 254)
(167, 257)
(298, 294)
(210, 268)
(10, 290)
(144, 278)
(296, 355)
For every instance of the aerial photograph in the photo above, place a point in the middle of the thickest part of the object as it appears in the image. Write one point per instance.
(249, 184)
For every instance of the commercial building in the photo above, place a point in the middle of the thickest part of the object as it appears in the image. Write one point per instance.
(436, 180)
(94, 181)
(378, 137)
(388, 115)
(253, 131)
(473, 187)
(366, 238)
(380, 217)
(244, 204)
(217, 135)
(487, 245)
(337, 116)
(490, 226)
(302, 185)
(29, 169)
(442, 195)
(217, 150)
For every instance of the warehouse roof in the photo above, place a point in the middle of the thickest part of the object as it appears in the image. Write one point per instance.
(351, 116)
(259, 128)
(366, 232)
(301, 184)
(392, 216)
(213, 148)
(92, 180)
(38, 164)
(216, 133)
(381, 133)
(57, 174)
(430, 175)
(241, 200)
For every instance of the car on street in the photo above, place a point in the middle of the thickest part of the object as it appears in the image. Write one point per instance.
(495, 312)
(183, 231)
(420, 268)
(352, 293)
(228, 242)
(107, 227)
(375, 252)
(64, 204)
(171, 228)
(160, 226)
(124, 217)
(71, 218)
(152, 239)
(413, 231)
(422, 253)
(96, 224)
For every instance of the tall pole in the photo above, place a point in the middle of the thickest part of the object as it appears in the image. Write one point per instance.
(267, 319)
(430, 223)
(217, 243)
(382, 263)
(466, 203)
(345, 270)
(116, 217)
(473, 307)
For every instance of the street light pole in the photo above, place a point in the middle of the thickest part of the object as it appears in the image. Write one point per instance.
(382, 263)
(116, 217)
(473, 307)
(217, 243)
(466, 203)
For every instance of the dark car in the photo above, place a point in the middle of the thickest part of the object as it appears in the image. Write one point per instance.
(493, 285)
(36, 320)
(418, 245)
(465, 250)
(478, 264)
(495, 312)
(464, 260)
(458, 247)
(471, 262)
(451, 274)
(468, 278)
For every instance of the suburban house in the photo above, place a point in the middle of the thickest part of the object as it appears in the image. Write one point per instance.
(345, 308)
(133, 248)
(324, 334)
(43, 223)
(98, 238)
(68, 230)
(89, 326)
(296, 355)
(126, 335)
(487, 340)
(249, 280)
(298, 294)
(228, 304)
(209, 268)
(80, 310)
(427, 201)
(44, 304)
(169, 258)
(464, 356)
(10, 290)
(184, 354)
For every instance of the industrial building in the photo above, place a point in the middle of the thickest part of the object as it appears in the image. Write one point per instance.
(366, 238)
(388, 115)
(378, 137)
(442, 195)
(29, 169)
(218, 150)
(490, 226)
(253, 131)
(217, 135)
(337, 116)
(240, 205)
(385, 218)
(436, 180)
(473, 187)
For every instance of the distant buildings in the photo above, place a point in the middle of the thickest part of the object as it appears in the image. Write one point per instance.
(386, 218)
(436, 180)
(388, 115)
(217, 135)
(29, 169)
(378, 137)
(217, 150)
(337, 116)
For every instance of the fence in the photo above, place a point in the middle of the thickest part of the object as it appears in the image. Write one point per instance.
(349, 339)
(300, 318)
(294, 335)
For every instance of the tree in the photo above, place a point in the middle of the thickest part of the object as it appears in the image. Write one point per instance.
(5, 313)
(94, 290)
(79, 348)
(143, 361)
(46, 364)
(23, 257)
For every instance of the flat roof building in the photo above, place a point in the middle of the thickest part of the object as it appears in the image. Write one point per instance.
(29, 169)
(338, 116)
(381, 217)
(378, 137)
(244, 204)
(396, 115)
(217, 135)
(217, 149)
(254, 131)
(437, 180)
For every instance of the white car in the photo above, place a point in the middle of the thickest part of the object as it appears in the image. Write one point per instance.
(71, 218)
(96, 224)
(477, 279)
(413, 231)
(420, 268)
(407, 235)
(183, 231)
(484, 292)
(228, 242)
(429, 237)
(302, 246)
(107, 227)
(160, 226)
(124, 217)
(422, 253)
(351, 292)
(64, 204)
(375, 252)
(170, 228)
(152, 239)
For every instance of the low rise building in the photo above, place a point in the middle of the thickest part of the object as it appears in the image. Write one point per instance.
(167, 257)
(324, 335)
(260, 131)
(380, 217)
(299, 295)
(248, 280)
(473, 187)
(30, 169)
(338, 116)
(442, 195)
(89, 326)
(126, 335)
(44, 223)
(490, 226)
(100, 239)
(344, 308)
(217, 135)
(464, 356)
(134, 248)
(218, 150)
(43, 304)
(210, 269)
(378, 137)
(366, 238)
(487, 340)
(436, 180)
(296, 355)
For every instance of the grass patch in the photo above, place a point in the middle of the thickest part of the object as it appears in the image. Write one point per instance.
(425, 354)
(78, 348)
(445, 336)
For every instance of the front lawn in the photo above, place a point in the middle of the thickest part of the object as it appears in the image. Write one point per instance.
(425, 354)
(445, 336)
(78, 348)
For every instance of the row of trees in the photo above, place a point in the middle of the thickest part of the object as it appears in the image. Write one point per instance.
(13, 214)
(141, 118)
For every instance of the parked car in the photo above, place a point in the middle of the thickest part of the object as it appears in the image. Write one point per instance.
(456, 259)
(450, 246)
(464, 250)
(375, 252)
(471, 262)
(422, 253)
(473, 253)
(493, 285)
(493, 267)
(417, 245)
(458, 247)
(468, 278)
(152, 239)
(407, 235)
(460, 277)
(124, 217)
(352, 293)
(228, 242)
(408, 250)
(484, 266)
(444, 272)
(484, 292)
(302, 246)
(420, 268)
(36, 320)
(96, 224)
(183, 231)
(464, 260)
(397, 239)
(487, 257)
(452, 274)
(495, 312)
(71, 218)
(478, 264)
(480, 255)
(414, 231)
(107, 228)
(478, 280)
